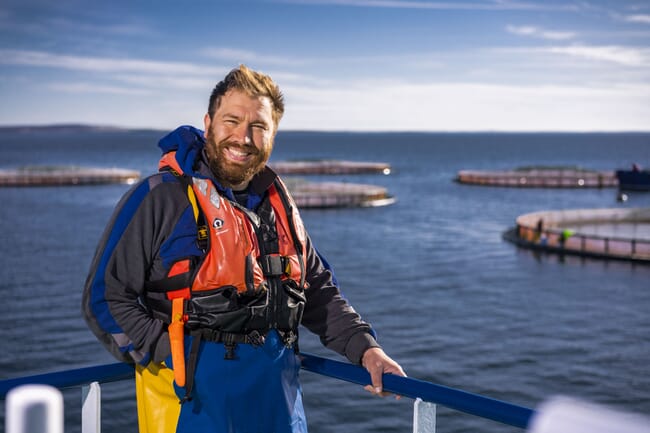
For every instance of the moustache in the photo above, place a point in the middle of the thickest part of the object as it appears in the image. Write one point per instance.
(249, 148)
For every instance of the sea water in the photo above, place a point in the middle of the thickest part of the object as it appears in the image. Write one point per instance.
(451, 301)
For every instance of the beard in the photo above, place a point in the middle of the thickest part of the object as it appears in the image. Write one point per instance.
(231, 174)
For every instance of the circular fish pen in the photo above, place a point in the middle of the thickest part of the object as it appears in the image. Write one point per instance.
(622, 234)
(540, 177)
(309, 194)
(337, 194)
(65, 175)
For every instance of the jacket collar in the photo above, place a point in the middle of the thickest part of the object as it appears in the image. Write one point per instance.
(189, 144)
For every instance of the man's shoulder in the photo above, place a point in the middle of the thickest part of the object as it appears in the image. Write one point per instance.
(164, 179)
(155, 187)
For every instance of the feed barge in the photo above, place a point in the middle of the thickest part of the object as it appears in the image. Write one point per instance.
(619, 233)
(540, 177)
(65, 175)
(633, 180)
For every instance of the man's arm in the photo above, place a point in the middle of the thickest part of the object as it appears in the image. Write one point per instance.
(340, 327)
(126, 257)
(329, 315)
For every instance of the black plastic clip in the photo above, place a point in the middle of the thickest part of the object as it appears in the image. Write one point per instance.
(230, 347)
(255, 338)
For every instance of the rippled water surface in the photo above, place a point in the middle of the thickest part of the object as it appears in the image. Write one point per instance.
(450, 300)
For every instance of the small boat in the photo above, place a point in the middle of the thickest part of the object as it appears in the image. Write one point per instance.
(634, 179)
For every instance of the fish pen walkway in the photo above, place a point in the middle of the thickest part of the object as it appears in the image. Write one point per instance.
(65, 175)
(621, 234)
(327, 166)
(540, 177)
(306, 194)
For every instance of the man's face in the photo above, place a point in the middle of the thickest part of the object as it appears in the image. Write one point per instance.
(239, 138)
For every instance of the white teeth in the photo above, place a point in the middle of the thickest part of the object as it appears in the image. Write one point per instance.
(238, 153)
(235, 153)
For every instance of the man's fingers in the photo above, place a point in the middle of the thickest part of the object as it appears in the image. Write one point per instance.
(376, 372)
(372, 390)
(377, 363)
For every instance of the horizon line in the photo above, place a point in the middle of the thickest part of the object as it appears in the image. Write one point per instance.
(91, 126)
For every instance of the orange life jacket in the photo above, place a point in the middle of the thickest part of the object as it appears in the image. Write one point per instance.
(230, 288)
(250, 279)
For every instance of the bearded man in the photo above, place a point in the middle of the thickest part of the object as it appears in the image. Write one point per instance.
(205, 272)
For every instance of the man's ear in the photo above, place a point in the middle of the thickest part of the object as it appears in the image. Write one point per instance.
(207, 121)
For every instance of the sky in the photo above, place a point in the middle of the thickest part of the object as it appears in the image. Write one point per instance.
(343, 65)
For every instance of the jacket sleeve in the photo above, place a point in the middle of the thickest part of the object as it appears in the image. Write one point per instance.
(128, 255)
(329, 315)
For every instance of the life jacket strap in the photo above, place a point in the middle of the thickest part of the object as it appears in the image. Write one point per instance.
(191, 368)
(214, 335)
(199, 218)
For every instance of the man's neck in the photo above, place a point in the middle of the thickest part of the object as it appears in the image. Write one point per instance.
(241, 197)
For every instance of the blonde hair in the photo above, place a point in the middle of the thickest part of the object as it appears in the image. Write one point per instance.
(252, 83)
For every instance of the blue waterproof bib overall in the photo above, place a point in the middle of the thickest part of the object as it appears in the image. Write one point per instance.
(258, 392)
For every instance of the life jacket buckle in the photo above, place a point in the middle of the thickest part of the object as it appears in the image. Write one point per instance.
(202, 232)
(273, 265)
(202, 237)
(255, 338)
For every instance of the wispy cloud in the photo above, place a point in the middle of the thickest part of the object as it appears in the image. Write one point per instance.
(160, 81)
(102, 64)
(122, 28)
(264, 62)
(497, 5)
(540, 33)
(456, 106)
(621, 58)
(627, 56)
(96, 88)
(645, 19)
(239, 55)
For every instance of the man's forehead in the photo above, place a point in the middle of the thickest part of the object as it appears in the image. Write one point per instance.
(242, 100)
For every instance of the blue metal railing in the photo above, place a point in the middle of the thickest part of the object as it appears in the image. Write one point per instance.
(473, 404)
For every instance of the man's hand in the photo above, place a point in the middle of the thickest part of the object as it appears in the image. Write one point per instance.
(377, 363)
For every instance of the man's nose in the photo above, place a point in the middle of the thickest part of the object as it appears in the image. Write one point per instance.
(242, 134)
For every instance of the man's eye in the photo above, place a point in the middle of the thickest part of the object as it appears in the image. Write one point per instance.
(260, 126)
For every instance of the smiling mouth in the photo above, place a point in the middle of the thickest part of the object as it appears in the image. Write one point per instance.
(237, 154)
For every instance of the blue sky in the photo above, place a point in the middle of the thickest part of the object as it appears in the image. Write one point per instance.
(348, 65)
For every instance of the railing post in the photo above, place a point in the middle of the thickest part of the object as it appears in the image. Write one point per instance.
(34, 409)
(91, 408)
(424, 416)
